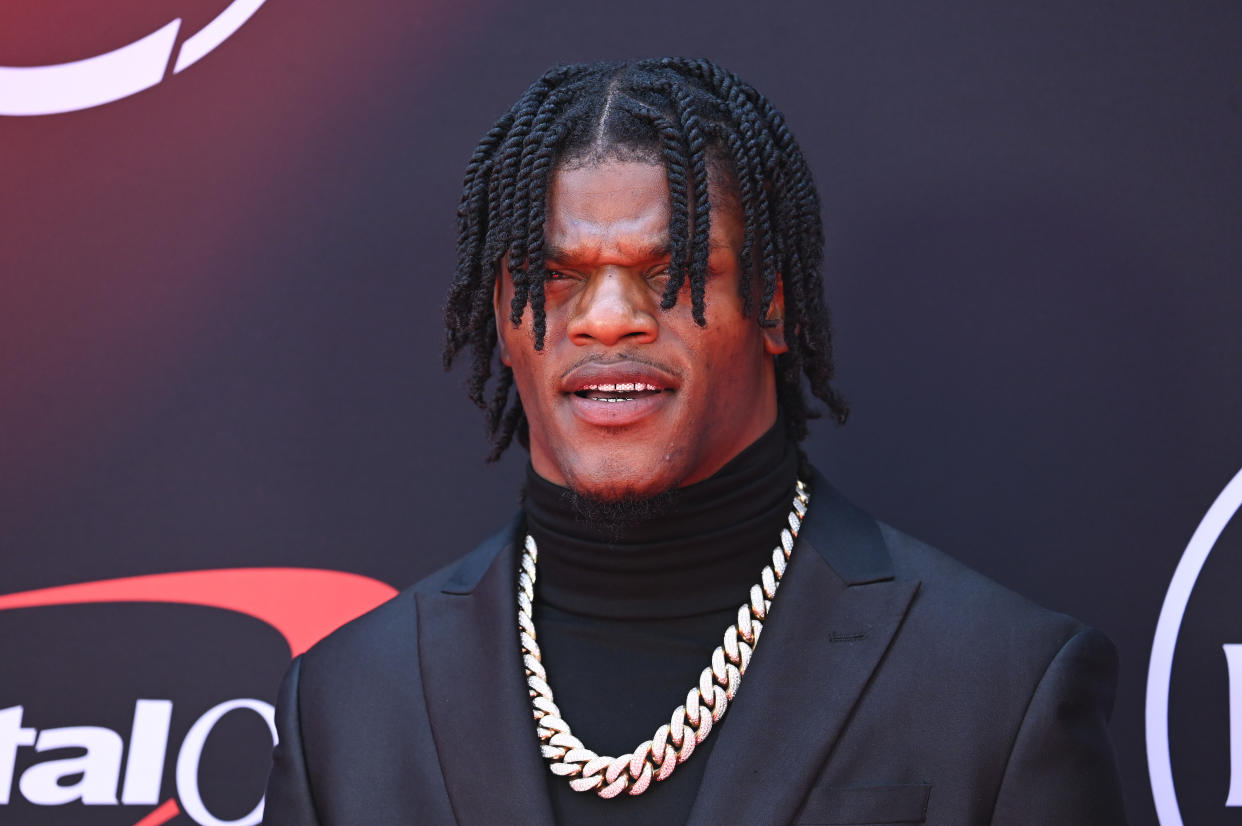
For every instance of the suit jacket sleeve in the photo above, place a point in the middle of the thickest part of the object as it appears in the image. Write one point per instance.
(288, 800)
(1062, 768)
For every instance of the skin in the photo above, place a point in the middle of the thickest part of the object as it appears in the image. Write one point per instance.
(606, 240)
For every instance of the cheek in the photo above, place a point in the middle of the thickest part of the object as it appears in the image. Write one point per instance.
(733, 361)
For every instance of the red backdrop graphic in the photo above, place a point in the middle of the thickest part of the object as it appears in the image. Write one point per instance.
(304, 605)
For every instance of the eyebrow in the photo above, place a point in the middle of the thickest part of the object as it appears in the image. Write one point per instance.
(660, 249)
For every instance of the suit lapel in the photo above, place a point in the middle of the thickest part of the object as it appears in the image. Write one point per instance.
(476, 700)
(834, 617)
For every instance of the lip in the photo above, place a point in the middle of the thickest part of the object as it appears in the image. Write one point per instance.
(593, 375)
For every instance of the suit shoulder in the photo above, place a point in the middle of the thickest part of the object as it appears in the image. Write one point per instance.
(966, 605)
(360, 641)
(372, 637)
(1000, 646)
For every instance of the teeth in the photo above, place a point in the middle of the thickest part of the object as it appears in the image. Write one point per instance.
(624, 387)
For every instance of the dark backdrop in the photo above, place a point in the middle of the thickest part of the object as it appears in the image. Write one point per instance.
(220, 307)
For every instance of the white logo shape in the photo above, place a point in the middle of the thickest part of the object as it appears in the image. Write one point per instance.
(94, 81)
(1159, 669)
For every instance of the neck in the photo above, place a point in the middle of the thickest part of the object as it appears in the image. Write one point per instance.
(692, 551)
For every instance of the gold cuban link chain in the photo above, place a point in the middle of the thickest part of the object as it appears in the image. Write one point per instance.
(690, 724)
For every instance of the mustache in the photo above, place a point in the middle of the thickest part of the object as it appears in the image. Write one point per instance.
(614, 359)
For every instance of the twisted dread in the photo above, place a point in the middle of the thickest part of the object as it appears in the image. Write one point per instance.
(695, 118)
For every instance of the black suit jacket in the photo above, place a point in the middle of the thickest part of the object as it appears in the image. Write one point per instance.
(892, 685)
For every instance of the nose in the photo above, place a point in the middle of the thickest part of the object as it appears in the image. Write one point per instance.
(616, 307)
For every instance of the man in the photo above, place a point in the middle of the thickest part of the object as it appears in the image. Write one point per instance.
(638, 257)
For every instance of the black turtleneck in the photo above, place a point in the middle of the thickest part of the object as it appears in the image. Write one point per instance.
(627, 618)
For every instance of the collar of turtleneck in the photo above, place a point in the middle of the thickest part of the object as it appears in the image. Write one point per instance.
(701, 555)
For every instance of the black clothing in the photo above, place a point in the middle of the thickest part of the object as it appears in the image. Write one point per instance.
(626, 619)
(892, 685)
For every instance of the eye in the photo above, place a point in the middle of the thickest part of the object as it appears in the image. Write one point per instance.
(659, 278)
(556, 275)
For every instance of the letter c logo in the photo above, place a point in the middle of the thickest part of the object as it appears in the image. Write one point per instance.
(94, 81)
(192, 752)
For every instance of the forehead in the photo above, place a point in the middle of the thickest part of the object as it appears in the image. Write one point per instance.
(617, 204)
(613, 193)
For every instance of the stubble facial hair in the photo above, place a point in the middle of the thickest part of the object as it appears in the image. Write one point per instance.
(613, 517)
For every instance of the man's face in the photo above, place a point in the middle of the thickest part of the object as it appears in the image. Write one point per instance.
(625, 399)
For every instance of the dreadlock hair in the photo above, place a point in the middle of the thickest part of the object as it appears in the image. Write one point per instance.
(690, 115)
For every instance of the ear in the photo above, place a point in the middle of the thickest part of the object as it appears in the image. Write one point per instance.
(774, 322)
(500, 312)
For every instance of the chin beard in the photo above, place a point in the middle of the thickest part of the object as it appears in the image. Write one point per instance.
(613, 516)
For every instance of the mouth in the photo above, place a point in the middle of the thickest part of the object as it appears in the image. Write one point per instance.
(618, 392)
